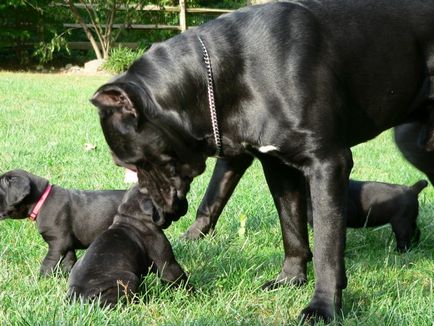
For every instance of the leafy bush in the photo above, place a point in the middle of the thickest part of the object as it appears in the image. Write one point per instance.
(121, 58)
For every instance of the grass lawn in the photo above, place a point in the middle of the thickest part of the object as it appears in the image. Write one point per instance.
(45, 122)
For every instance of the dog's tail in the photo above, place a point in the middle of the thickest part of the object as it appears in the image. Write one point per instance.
(419, 186)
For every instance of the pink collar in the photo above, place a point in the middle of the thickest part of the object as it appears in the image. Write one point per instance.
(41, 201)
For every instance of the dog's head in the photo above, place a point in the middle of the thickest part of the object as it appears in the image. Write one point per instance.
(15, 194)
(141, 134)
(138, 204)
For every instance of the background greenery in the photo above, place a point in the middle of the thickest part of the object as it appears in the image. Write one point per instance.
(32, 30)
(45, 122)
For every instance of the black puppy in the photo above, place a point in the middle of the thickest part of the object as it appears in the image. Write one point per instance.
(299, 82)
(115, 262)
(372, 204)
(66, 219)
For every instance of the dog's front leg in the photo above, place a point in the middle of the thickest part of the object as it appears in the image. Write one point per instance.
(161, 253)
(328, 180)
(287, 185)
(226, 175)
(51, 260)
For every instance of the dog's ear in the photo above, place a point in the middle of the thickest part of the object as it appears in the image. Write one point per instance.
(17, 189)
(112, 96)
(147, 207)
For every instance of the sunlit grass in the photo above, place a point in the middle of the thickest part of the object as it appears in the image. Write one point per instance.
(45, 122)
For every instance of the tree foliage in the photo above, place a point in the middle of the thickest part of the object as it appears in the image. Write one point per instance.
(35, 27)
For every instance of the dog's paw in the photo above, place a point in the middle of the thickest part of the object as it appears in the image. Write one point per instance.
(402, 246)
(316, 312)
(194, 233)
(274, 284)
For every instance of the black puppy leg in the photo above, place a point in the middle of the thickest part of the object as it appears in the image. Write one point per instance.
(288, 186)
(328, 179)
(68, 261)
(227, 173)
(51, 260)
(161, 253)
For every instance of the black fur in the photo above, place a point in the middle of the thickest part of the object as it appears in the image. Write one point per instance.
(310, 78)
(114, 264)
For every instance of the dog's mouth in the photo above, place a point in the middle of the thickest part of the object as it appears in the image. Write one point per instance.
(168, 211)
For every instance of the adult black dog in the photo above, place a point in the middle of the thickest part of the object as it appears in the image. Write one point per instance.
(298, 82)
(115, 262)
(66, 219)
(370, 204)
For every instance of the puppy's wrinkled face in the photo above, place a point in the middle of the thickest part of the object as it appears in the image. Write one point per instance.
(14, 188)
(137, 203)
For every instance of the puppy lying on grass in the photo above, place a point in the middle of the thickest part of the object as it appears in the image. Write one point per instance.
(66, 219)
(116, 261)
(372, 204)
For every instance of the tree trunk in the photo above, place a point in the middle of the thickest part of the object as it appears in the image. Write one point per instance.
(86, 30)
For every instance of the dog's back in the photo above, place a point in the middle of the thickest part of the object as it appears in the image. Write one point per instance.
(87, 214)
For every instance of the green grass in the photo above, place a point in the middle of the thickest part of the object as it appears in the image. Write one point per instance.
(45, 122)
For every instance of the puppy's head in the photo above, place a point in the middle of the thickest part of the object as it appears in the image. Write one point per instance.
(138, 204)
(15, 189)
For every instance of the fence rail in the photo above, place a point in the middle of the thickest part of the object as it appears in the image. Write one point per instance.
(159, 8)
(182, 10)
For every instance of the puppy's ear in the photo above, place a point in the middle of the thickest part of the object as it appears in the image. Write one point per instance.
(17, 189)
(115, 97)
(146, 207)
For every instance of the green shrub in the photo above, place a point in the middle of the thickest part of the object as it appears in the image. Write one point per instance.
(121, 58)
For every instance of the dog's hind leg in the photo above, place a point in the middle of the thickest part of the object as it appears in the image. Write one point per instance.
(288, 187)
(227, 173)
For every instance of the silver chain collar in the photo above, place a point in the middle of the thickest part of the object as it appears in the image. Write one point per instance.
(211, 100)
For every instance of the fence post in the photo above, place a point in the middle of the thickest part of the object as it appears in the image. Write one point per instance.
(182, 15)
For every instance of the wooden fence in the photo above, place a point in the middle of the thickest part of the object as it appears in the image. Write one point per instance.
(182, 10)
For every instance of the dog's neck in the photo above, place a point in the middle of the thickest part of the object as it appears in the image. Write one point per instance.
(186, 109)
(136, 223)
(39, 186)
(33, 215)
